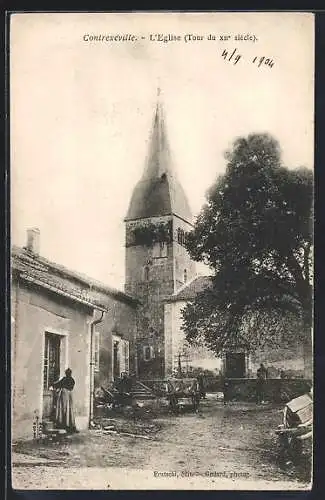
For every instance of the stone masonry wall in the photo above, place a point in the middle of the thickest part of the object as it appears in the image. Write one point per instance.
(150, 278)
(182, 260)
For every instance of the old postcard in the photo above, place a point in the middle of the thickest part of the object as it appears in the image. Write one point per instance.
(162, 244)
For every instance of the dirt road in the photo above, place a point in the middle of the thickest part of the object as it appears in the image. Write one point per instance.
(218, 448)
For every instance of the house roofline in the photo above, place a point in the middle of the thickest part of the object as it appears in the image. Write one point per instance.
(58, 291)
(20, 253)
(176, 296)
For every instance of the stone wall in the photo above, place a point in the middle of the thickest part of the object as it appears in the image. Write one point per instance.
(182, 260)
(289, 359)
(139, 257)
(149, 278)
(153, 273)
(276, 390)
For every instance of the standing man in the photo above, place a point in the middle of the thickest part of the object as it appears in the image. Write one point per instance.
(260, 383)
(200, 379)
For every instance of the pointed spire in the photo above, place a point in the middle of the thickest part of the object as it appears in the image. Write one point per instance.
(158, 192)
(158, 159)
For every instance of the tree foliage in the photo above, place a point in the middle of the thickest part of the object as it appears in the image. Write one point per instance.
(255, 233)
(150, 233)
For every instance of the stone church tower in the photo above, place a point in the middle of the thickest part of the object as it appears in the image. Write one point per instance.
(157, 263)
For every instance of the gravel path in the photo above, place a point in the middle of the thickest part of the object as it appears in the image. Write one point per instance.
(230, 447)
(115, 478)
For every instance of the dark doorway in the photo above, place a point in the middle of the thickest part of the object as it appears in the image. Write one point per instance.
(51, 371)
(235, 365)
(116, 360)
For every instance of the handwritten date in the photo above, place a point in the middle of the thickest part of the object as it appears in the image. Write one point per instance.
(235, 57)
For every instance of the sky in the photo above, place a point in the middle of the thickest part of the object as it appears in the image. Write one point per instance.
(81, 113)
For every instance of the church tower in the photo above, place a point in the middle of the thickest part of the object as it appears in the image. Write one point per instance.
(157, 263)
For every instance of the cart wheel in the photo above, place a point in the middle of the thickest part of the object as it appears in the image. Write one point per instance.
(283, 442)
(295, 448)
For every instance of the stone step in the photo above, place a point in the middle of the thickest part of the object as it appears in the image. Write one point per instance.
(143, 396)
(140, 391)
(140, 388)
(48, 425)
(49, 429)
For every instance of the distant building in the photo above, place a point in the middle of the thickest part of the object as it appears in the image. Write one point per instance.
(236, 363)
(176, 349)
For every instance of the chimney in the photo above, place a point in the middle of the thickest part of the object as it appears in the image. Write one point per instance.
(33, 239)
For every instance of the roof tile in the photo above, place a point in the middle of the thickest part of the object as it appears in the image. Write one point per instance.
(191, 289)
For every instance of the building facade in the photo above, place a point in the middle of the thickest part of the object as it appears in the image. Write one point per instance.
(179, 355)
(236, 364)
(62, 319)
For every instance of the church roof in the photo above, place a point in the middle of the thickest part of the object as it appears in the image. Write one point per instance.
(158, 192)
(191, 289)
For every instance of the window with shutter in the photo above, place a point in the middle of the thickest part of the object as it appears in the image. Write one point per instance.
(146, 353)
(51, 370)
(126, 356)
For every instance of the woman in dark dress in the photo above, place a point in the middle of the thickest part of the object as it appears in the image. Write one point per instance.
(64, 415)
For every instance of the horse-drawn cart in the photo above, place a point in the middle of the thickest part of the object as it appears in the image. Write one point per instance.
(184, 393)
(177, 394)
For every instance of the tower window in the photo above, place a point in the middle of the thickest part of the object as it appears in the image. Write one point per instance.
(146, 273)
(185, 275)
(163, 249)
(148, 353)
(181, 236)
(159, 250)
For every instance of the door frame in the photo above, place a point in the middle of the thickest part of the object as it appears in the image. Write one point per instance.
(115, 338)
(120, 339)
(234, 354)
(64, 363)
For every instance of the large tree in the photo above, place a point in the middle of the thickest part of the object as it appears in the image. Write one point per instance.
(255, 233)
